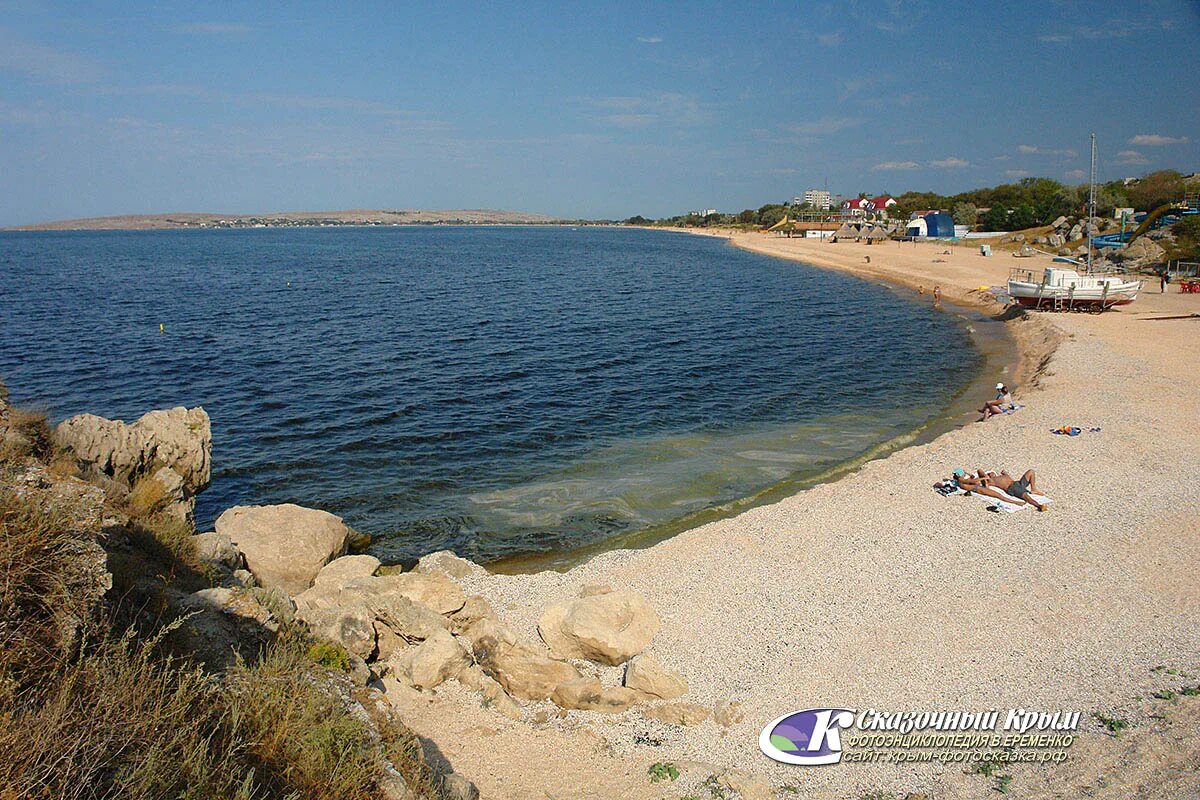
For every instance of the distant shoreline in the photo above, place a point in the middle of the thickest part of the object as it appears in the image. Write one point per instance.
(295, 219)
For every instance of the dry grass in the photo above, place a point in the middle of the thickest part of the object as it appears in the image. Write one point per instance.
(33, 436)
(39, 546)
(116, 718)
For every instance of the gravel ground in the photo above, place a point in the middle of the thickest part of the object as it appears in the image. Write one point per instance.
(875, 591)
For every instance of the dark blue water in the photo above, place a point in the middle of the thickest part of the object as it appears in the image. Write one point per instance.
(493, 390)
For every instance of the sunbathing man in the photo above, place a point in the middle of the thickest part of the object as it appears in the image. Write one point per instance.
(978, 484)
(1021, 490)
(1003, 402)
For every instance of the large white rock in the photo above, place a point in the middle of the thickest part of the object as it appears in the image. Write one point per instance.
(445, 562)
(523, 671)
(437, 659)
(337, 573)
(284, 546)
(179, 438)
(608, 628)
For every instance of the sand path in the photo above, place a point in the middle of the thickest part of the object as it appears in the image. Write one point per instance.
(874, 591)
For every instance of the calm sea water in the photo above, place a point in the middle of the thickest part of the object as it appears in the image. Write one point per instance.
(497, 391)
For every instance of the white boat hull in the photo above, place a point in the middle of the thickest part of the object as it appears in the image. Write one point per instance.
(1062, 289)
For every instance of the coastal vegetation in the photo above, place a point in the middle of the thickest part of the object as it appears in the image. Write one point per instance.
(100, 701)
(1026, 203)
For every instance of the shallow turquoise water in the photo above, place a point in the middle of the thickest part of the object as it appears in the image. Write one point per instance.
(499, 391)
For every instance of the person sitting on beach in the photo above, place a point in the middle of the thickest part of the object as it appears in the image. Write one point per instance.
(1003, 402)
(988, 483)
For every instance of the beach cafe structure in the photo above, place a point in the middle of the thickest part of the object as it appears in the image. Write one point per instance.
(935, 225)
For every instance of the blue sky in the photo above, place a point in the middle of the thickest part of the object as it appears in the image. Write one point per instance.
(576, 109)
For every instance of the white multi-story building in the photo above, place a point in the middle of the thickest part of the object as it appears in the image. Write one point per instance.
(818, 198)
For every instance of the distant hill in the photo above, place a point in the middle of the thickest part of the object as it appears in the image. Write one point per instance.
(293, 219)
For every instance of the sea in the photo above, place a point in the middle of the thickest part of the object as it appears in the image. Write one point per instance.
(505, 392)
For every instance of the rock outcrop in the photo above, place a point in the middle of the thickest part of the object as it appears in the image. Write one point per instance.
(285, 546)
(164, 458)
(437, 659)
(608, 628)
(523, 671)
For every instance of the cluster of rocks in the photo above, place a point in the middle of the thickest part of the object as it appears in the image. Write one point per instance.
(159, 463)
(276, 564)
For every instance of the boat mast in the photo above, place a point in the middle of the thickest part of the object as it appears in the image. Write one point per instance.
(1091, 203)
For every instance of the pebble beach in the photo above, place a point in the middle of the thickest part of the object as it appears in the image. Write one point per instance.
(874, 591)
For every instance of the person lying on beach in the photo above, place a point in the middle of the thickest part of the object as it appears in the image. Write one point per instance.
(986, 483)
(1003, 402)
(977, 483)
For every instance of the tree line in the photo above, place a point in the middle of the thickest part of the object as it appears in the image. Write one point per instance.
(1026, 203)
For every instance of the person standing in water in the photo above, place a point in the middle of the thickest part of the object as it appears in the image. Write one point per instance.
(937, 296)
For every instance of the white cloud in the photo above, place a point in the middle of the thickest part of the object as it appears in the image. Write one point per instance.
(1156, 140)
(895, 165)
(1076, 174)
(650, 39)
(45, 64)
(1030, 149)
(639, 112)
(1131, 157)
(829, 39)
(825, 125)
(1112, 29)
(950, 163)
(1016, 173)
(217, 28)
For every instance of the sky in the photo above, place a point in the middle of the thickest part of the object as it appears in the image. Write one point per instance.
(579, 110)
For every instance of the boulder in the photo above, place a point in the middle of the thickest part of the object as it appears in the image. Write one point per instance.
(179, 438)
(217, 551)
(435, 591)
(409, 620)
(1059, 223)
(475, 609)
(445, 562)
(435, 660)
(494, 696)
(687, 714)
(644, 674)
(1055, 240)
(523, 671)
(221, 625)
(352, 627)
(1143, 252)
(284, 545)
(337, 573)
(162, 493)
(607, 628)
(1076, 232)
(586, 694)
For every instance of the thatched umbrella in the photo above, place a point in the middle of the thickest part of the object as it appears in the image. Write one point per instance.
(875, 234)
(843, 232)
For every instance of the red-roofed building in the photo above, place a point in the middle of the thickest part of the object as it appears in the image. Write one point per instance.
(881, 203)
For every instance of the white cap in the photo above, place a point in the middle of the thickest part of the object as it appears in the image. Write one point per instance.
(999, 385)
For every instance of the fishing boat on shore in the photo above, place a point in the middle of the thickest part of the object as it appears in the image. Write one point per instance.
(1066, 290)
(1062, 289)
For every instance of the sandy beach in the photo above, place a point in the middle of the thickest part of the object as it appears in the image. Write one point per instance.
(875, 591)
